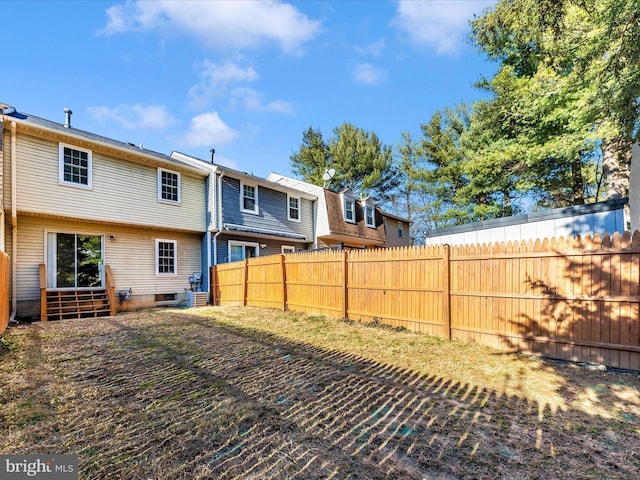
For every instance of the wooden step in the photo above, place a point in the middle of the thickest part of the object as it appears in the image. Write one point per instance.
(68, 304)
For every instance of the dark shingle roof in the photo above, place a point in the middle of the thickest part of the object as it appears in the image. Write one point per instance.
(338, 225)
(91, 137)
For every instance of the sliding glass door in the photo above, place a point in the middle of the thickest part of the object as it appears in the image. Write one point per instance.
(74, 261)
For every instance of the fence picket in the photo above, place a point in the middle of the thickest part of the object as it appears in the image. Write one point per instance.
(574, 298)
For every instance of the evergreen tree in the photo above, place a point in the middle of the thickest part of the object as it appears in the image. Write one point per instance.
(361, 161)
(581, 57)
(312, 159)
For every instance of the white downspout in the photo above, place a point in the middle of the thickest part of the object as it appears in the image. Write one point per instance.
(218, 218)
(14, 227)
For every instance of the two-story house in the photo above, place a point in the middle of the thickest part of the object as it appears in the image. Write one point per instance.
(85, 215)
(249, 216)
(344, 219)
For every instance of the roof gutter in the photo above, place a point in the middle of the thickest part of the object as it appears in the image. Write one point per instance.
(133, 150)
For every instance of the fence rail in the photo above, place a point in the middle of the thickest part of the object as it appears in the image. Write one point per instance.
(574, 299)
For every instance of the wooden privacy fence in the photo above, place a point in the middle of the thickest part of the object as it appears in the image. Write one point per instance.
(575, 299)
(4, 291)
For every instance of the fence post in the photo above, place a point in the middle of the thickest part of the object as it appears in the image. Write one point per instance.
(213, 284)
(446, 291)
(345, 287)
(246, 282)
(284, 282)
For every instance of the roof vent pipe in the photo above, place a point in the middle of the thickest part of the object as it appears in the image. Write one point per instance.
(67, 117)
(213, 152)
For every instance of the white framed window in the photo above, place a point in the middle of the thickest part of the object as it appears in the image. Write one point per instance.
(74, 166)
(349, 210)
(293, 208)
(288, 249)
(168, 186)
(349, 206)
(369, 216)
(400, 230)
(248, 198)
(242, 250)
(166, 257)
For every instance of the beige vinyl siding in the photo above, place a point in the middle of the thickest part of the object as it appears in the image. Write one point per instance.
(122, 191)
(131, 256)
(132, 259)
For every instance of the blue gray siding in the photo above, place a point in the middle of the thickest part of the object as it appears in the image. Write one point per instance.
(272, 211)
(272, 246)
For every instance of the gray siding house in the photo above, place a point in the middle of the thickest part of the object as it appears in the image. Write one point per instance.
(249, 216)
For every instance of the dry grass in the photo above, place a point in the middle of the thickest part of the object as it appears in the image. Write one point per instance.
(252, 393)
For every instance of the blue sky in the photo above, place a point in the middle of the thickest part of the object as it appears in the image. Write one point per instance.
(243, 77)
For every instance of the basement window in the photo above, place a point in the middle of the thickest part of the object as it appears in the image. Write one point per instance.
(165, 297)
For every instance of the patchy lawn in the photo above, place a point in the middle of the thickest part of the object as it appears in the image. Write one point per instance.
(253, 393)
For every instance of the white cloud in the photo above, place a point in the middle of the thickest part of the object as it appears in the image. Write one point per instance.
(253, 100)
(226, 161)
(374, 49)
(207, 130)
(440, 24)
(369, 75)
(216, 79)
(138, 116)
(219, 24)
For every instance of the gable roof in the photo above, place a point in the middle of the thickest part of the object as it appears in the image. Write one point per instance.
(244, 176)
(32, 123)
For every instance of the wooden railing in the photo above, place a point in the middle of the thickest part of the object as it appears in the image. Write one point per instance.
(109, 286)
(43, 292)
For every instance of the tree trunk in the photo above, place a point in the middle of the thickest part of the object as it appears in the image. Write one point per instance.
(616, 165)
(577, 181)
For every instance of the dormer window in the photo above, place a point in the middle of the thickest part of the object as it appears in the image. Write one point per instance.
(348, 207)
(369, 216)
(369, 209)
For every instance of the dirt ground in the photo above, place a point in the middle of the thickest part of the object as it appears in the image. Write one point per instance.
(171, 395)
